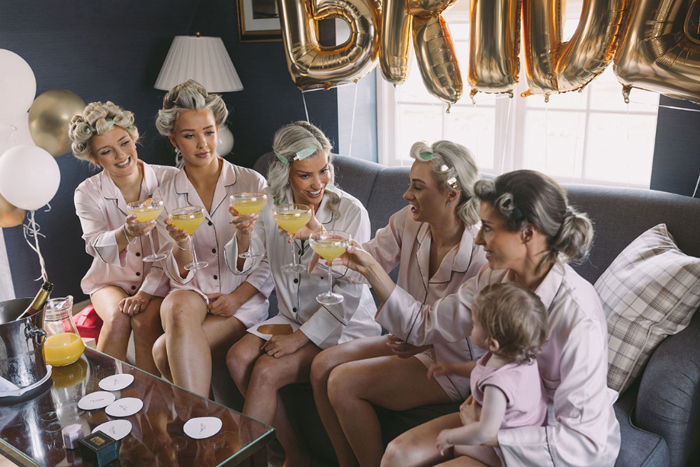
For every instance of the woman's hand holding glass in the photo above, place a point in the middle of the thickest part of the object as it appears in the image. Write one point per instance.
(244, 210)
(292, 217)
(142, 220)
(181, 224)
(310, 228)
(330, 244)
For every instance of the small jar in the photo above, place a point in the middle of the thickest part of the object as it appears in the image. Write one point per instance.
(63, 344)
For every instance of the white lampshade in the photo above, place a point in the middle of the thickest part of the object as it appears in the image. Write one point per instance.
(203, 59)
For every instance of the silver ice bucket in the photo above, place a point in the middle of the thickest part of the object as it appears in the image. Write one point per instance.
(21, 342)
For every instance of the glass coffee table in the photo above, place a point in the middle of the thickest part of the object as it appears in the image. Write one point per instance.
(30, 431)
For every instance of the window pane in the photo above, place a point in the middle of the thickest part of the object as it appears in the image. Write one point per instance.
(417, 123)
(554, 142)
(413, 90)
(620, 148)
(474, 128)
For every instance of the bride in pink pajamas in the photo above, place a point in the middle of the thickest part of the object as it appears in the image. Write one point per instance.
(529, 233)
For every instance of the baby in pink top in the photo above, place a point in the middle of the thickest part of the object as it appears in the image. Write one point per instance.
(510, 323)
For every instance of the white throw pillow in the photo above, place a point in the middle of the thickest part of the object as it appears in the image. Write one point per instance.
(649, 292)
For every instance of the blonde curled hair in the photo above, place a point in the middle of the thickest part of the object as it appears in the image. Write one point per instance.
(289, 140)
(528, 197)
(454, 170)
(189, 95)
(98, 119)
(515, 317)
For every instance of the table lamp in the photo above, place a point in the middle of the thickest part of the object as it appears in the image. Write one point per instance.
(205, 60)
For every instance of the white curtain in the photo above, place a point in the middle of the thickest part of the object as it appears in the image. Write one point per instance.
(7, 290)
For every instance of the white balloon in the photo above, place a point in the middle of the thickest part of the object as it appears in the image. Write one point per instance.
(17, 85)
(225, 141)
(29, 177)
(15, 132)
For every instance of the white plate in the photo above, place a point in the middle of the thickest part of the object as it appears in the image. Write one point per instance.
(116, 382)
(96, 400)
(117, 429)
(124, 407)
(202, 427)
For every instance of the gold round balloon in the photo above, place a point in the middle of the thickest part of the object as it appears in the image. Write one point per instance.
(10, 216)
(49, 117)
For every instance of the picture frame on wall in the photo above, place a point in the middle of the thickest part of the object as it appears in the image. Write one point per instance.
(258, 20)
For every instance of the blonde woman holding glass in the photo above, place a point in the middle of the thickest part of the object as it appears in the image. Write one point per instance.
(125, 291)
(264, 361)
(208, 309)
(432, 240)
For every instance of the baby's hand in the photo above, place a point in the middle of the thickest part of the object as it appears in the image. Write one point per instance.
(442, 443)
(438, 369)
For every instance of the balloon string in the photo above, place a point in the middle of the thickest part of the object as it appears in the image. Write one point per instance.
(508, 130)
(31, 229)
(352, 125)
(306, 110)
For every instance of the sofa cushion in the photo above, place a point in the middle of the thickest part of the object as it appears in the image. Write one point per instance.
(650, 291)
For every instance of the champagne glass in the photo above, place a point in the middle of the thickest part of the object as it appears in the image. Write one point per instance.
(329, 244)
(292, 217)
(147, 210)
(249, 203)
(188, 219)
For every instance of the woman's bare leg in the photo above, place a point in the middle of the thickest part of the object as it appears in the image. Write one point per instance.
(391, 382)
(191, 336)
(160, 357)
(147, 330)
(463, 461)
(477, 456)
(182, 314)
(417, 447)
(241, 360)
(321, 368)
(116, 329)
(264, 403)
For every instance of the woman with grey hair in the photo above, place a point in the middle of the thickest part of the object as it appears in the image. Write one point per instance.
(432, 240)
(125, 291)
(529, 232)
(207, 309)
(264, 361)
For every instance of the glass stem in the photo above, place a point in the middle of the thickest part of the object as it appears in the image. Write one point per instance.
(153, 246)
(330, 280)
(294, 256)
(250, 243)
(194, 252)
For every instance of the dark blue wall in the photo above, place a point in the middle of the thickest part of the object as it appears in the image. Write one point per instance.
(113, 51)
(677, 149)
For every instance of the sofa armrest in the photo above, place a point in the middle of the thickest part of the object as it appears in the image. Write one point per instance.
(669, 391)
(639, 448)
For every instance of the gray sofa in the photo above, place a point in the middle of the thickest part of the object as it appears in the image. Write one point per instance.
(658, 416)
